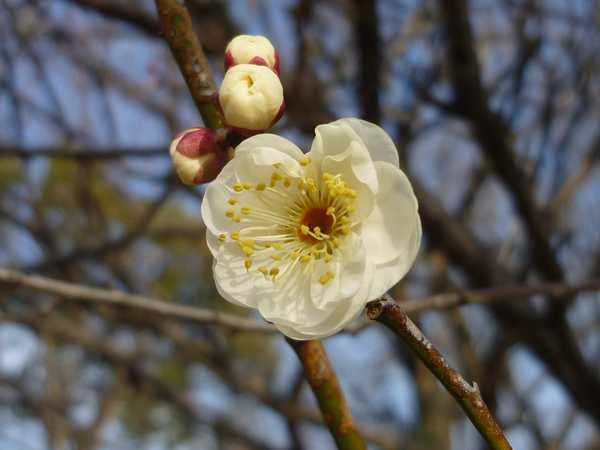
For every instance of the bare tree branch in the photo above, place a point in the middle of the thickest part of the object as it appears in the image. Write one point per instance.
(388, 312)
(329, 394)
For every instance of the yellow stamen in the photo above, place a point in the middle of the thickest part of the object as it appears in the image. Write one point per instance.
(232, 201)
(305, 161)
(247, 263)
(238, 187)
(326, 278)
(261, 187)
(222, 237)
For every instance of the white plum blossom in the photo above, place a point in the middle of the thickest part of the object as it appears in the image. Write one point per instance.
(246, 49)
(250, 98)
(309, 239)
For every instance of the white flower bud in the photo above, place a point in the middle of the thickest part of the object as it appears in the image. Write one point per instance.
(246, 49)
(250, 98)
(196, 156)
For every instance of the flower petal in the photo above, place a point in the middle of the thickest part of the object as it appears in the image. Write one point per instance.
(344, 313)
(393, 229)
(376, 140)
(271, 141)
(348, 268)
(334, 140)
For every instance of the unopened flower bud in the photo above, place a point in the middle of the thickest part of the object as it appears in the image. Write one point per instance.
(250, 98)
(246, 49)
(196, 156)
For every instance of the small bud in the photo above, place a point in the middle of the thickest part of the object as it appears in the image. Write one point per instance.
(250, 98)
(245, 49)
(196, 156)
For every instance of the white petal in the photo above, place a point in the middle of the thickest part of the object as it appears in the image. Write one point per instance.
(236, 285)
(213, 208)
(348, 268)
(271, 141)
(391, 228)
(256, 166)
(378, 142)
(351, 164)
(344, 313)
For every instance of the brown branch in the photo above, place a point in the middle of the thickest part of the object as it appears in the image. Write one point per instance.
(176, 25)
(330, 397)
(494, 294)
(388, 312)
(492, 133)
(368, 44)
(69, 291)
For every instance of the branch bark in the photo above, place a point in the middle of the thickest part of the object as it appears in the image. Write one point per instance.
(329, 394)
(176, 25)
(389, 313)
(81, 293)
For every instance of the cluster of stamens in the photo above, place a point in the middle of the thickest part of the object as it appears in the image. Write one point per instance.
(315, 218)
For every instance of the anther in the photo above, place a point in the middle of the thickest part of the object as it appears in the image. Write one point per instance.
(222, 237)
(326, 278)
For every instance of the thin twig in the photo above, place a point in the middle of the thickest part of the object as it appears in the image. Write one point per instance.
(70, 291)
(497, 293)
(327, 390)
(81, 293)
(388, 312)
(176, 25)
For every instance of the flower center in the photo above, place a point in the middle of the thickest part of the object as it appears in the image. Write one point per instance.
(316, 219)
(291, 222)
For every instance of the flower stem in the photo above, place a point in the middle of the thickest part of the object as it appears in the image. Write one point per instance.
(177, 29)
(387, 311)
(330, 397)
